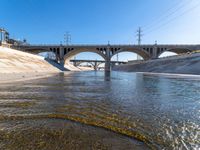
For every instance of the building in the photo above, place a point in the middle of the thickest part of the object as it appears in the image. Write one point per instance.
(4, 36)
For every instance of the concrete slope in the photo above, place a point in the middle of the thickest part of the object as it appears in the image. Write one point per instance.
(71, 67)
(187, 64)
(13, 61)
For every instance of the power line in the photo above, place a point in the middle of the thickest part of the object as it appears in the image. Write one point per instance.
(164, 13)
(139, 35)
(168, 15)
(172, 19)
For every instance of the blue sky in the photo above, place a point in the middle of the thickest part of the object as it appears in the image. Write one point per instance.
(100, 21)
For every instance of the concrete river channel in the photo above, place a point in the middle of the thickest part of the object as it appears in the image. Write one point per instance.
(88, 110)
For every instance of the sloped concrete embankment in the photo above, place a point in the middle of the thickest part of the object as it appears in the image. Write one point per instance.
(13, 61)
(17, 65)
(187, 64)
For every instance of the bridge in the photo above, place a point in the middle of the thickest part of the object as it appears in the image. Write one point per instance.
(65, 52)
(95, 63)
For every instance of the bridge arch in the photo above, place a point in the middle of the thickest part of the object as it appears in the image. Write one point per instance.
(48, 55)
(41, 51)
(137, 51)
(36, 50)
(79, 64)
(94, 64)
(72, 53)
(167, 54)
(177, 51)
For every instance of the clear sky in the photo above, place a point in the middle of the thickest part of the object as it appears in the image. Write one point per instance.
(100, 21)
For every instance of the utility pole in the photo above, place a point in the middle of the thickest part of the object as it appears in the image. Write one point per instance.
(139, 35)
(67, 38)
(139, 39)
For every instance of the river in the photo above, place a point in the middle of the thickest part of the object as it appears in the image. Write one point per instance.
(86, 110)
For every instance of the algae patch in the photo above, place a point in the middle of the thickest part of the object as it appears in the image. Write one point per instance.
(19, 104)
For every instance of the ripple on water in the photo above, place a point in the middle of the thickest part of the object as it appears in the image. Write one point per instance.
(161, 111)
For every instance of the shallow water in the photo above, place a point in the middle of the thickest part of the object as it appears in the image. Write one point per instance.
(161, 111)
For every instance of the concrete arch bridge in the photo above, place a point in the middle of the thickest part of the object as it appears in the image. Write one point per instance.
(65, 52)
(96, 63)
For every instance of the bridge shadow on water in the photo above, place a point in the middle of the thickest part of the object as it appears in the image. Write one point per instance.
(57, 65)
(107, 75)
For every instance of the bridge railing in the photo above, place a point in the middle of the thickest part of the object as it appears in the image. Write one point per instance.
(105, 45)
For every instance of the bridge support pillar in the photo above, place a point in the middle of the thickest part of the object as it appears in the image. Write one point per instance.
(61, 53)
(108, 63)
(95, 66)
(61, 56)
(62, 62)
(75, 64)
(154, 55)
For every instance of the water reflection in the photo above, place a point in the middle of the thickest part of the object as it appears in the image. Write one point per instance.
(163, 112)
(107, 75)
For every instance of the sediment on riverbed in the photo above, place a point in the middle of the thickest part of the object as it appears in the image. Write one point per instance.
(185, 64)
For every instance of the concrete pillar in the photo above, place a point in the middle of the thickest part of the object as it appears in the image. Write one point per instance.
(107, 75)
(107, 61)
(61, 56)
(95, 66)
(62, 62)
(61, 49)
(154, 53)
(75, 63)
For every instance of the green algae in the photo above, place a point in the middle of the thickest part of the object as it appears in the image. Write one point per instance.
(86, 121)
(47, 134)
(19, 104)
(102, 124)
